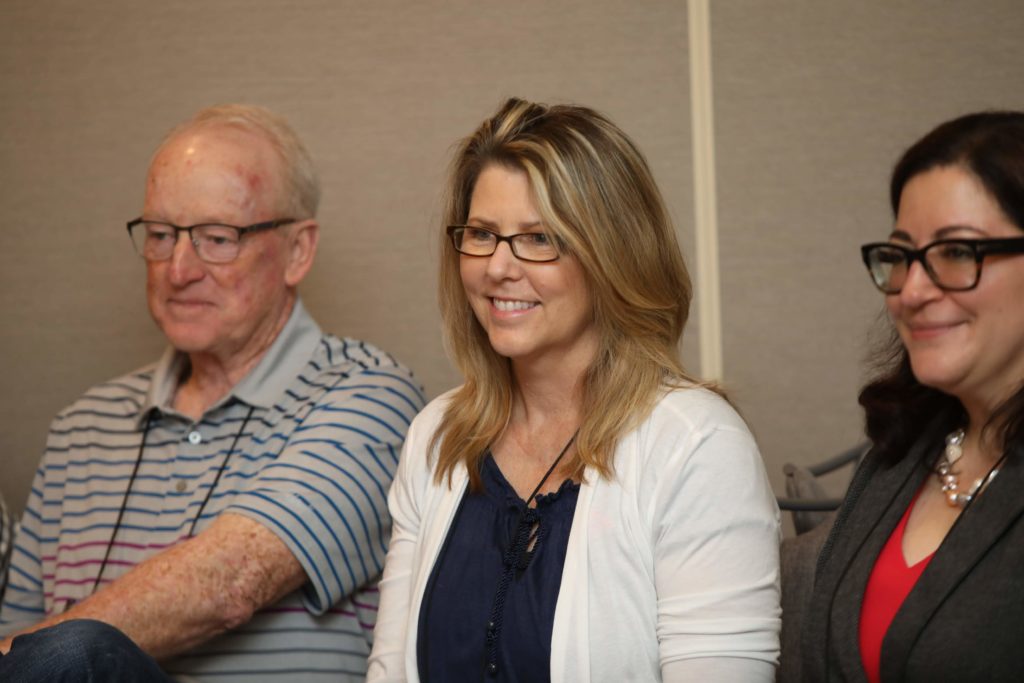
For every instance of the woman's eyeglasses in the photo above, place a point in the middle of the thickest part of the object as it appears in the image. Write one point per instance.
(954, 265)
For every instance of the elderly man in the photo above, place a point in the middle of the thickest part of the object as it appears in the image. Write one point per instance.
(224, 508)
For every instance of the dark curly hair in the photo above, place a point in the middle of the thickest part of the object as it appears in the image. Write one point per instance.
(897, 408)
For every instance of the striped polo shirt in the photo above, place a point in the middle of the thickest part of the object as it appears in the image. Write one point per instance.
(306, 444)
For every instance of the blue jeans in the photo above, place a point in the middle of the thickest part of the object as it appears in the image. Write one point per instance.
(78, 651)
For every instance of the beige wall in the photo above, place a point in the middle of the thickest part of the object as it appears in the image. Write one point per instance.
(379, 91)
(812, 100)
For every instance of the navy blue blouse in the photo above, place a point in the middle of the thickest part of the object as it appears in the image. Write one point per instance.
(489, 605)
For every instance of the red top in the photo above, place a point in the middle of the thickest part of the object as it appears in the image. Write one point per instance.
(890, 582)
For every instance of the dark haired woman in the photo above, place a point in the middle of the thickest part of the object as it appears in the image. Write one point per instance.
(922, 578)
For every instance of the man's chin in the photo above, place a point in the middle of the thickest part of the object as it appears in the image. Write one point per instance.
(189, 338)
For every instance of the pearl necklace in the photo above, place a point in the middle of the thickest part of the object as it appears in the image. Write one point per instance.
(948, 478)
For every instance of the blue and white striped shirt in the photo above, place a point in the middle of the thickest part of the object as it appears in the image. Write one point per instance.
(313, 463)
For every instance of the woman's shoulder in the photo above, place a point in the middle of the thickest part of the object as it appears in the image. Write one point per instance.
(427, 420)
(416, 467)
(696, 408)
(685, 426)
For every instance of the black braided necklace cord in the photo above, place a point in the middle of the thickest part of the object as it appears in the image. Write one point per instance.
(131, 482)
(124, 502)
(516, 558)
(220, 471)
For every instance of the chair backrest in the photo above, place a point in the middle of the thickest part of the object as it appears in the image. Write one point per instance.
(799, 558)
(806, 499)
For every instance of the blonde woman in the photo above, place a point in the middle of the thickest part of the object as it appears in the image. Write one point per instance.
(580, 508)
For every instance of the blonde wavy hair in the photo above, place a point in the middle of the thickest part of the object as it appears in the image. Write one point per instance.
(596, 195)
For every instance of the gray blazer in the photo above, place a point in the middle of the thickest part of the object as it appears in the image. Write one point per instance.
(964, 620)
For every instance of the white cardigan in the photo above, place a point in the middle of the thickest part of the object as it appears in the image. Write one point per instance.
(671, 570)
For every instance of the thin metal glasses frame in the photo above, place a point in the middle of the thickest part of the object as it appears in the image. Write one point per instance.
(241, 230)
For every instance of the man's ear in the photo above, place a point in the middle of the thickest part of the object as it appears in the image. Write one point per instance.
(302, 240)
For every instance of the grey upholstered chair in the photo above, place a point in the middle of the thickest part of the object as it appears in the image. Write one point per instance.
(806, 498)
(813, 512)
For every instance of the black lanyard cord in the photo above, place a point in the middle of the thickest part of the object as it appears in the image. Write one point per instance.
(124, 501)
(131, 482)
(220, 471)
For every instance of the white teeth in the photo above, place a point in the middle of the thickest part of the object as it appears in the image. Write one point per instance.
(504, 305)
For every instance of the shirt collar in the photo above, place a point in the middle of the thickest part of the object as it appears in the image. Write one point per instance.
(264, 384)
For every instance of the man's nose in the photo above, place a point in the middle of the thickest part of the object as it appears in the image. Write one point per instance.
(185, 266)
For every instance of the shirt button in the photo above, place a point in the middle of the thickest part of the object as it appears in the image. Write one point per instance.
(194, 438)
(180, 486)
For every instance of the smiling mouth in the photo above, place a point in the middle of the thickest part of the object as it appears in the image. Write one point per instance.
(508, 305)
(187, 302)
(931, 330)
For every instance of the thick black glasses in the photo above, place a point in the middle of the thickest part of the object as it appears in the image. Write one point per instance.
(953, 265)
(537, 247)
(214, 242)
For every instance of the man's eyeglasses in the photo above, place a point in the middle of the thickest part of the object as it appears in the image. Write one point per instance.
(537, 247)
(954, 265)
(214, 242)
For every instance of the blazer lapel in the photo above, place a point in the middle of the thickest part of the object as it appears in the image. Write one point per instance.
(876, 500)
(973, 534)
(869, 526)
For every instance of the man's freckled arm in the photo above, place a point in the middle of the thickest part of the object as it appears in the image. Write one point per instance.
(195, 590)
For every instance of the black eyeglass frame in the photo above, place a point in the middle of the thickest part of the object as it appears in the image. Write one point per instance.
(498, 239)
(980, 247)
(241, 230)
